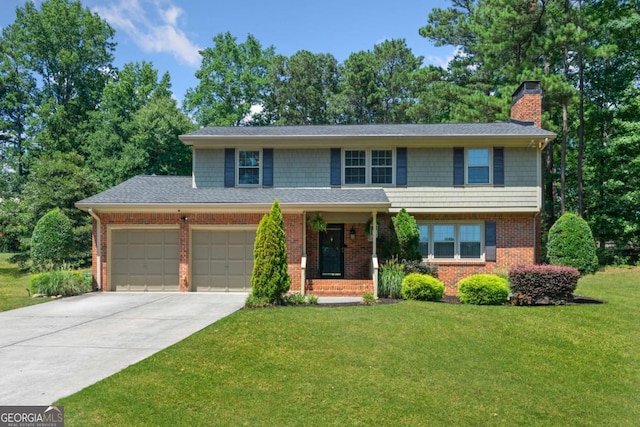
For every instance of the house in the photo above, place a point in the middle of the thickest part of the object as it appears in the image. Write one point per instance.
(474, 189)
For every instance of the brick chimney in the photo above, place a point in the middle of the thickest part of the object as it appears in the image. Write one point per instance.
(526, 104)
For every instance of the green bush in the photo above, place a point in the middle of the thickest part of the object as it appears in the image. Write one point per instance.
(571, 244)
(368, 299)
(295, 299)
(52, 241)
(422, 287)
(421, 267)
(270, 278)
(483, 289)
(59, 282)
(408, 235)
(390, 279)
(257, 302)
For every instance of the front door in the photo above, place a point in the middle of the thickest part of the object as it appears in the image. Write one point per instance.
(332, 251)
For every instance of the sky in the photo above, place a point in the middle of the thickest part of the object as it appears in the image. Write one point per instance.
(169, 33)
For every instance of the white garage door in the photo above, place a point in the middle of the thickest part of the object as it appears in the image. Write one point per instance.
(222, 260)
(144, 260)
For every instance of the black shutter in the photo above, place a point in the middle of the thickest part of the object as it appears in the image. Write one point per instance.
(498, 166)
(336, 167)
(229, 167)
(490, 241)
(458, 167)
(401, 167)
(267, 167)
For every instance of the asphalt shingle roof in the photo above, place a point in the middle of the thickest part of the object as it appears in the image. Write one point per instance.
(178, 190)
(377, 130)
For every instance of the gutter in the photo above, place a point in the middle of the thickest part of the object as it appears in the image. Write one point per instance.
(98, 249)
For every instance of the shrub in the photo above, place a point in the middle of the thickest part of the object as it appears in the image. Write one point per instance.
(537, 284)
(390, 279)
(312, 299)
(571, 244)
(483, 289)
(52, 241)
(257, 302)
(368, 299)
(408, 235)
(421, 268)
(270, 278)
(422, 287)
(295, 299)
(59, 282)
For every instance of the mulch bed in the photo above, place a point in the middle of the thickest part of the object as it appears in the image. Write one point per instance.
(452, 299)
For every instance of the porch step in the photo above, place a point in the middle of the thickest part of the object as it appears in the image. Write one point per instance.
(339, 287)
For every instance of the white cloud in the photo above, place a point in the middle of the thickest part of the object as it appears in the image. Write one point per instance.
(443, 62)
(153, 26)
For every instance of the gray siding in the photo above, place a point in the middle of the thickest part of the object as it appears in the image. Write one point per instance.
(208, 168)
(430, 166)
(520, 167)
(301, 168)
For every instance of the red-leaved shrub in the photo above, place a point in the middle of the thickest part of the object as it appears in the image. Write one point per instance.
(542, 284)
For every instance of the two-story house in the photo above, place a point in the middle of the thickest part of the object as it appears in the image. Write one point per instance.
(474, 189)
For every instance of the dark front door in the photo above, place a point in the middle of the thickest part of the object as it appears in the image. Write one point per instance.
(332, 251)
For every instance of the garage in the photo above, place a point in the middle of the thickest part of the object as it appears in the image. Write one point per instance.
(145, 260)
(222, 259)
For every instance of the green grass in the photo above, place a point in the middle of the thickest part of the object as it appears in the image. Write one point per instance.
(411, 363)
(13, 286)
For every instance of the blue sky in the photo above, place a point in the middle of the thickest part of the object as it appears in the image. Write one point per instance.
(169, 33)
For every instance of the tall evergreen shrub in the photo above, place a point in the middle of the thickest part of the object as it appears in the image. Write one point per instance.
(571, 244)
(270, 278)
(408, 235)
(52, 241)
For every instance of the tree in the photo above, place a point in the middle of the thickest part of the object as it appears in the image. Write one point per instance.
(52, 241)
(270, 279)
(301, 89)
(571, 244)
(233, 80)
(408, 234)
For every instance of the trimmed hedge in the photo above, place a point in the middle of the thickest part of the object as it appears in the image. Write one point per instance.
(483, 289)
(543, 284)
(422, 287)
(52, 241)
(571, 244)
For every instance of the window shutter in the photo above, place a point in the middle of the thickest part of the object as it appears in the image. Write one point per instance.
(401, 166)
(498, 167)
(229, 167)
(458, 167)
(267, 167)
(336, 166)
(490, 241)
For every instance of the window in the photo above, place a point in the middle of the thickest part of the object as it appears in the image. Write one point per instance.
(362, 167)
(249, 167)
(478, 166)
(451, 241)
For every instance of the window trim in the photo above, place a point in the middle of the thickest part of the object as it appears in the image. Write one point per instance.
(260, 166)
(466, 166)
(369, 166)
(456, 247)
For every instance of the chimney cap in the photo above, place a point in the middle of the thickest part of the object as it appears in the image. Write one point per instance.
(528, 86)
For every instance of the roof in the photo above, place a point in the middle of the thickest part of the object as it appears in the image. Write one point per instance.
(173, 192)
(376, 130)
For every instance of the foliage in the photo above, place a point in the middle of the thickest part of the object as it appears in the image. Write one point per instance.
(270, 278)
(297, 298)
(312, 299)
(419, 266)
(368, 299)
(254, 301)
(52, 242)
(232, 80)
(408, 234)
(535, 284)
(390, 279)
(318, 223)
(571, 244)
(59, 282)
(422, 287)
(483, 289)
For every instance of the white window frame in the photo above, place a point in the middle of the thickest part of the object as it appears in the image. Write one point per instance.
(260, 165)
(369, 166)
(466, 166)
(456, 247)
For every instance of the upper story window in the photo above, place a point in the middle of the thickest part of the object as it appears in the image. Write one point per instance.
(443, 241)
(249, 167)
(363, 167)
(478, 166)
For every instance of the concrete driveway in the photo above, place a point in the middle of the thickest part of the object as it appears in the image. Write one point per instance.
(51, 350)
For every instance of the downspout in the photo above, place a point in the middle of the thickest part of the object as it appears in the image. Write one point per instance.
(374, 257)
(303, 261)
(98, 249)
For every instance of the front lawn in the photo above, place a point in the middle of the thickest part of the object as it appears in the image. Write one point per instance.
(13, 286)
(405, 364)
